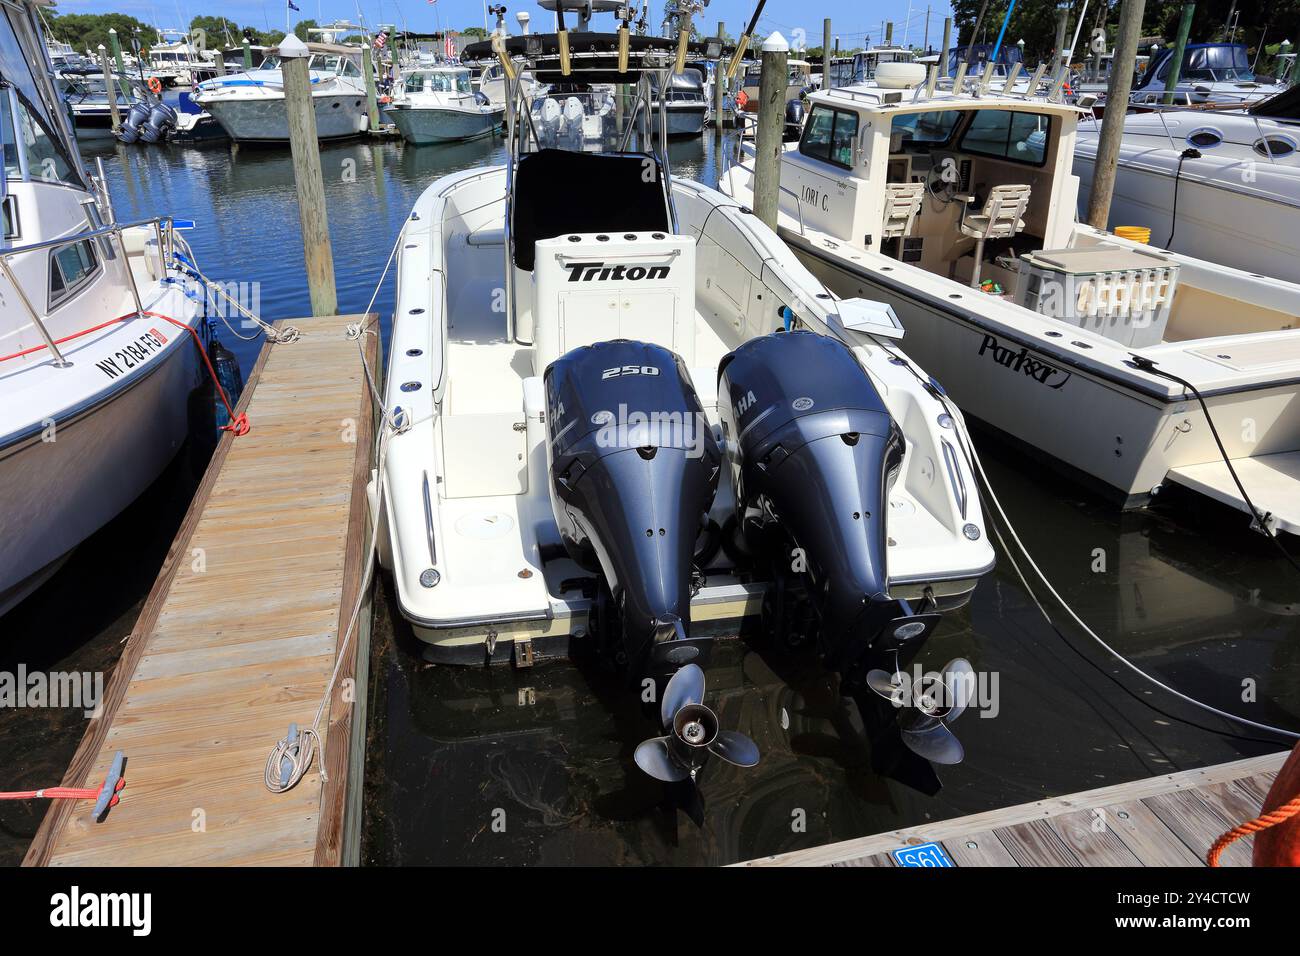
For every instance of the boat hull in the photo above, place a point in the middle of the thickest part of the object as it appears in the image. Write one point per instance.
(1112, 437)
(265, 120)
(439, 125)
(684, 120)
(1215, 222)
(59, 486)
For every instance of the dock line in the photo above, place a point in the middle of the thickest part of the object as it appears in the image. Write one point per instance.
(972, 457)
(284, 336)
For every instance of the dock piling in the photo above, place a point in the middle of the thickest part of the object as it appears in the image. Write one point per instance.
(116, 47)
(826, 53)
(307, 176)
(113, 110)
(372, 102)
(771, 121)
(1180, 47)
(947, 42)
(1112, 129)
(719, 89)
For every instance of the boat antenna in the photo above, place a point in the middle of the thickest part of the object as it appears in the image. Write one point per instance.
(743, 42)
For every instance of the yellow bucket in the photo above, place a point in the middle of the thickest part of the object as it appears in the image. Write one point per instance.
(1134, 233)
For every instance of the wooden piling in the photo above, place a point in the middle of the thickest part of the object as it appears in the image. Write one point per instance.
(305, 147)
(719, 89)
(248, 55)
(775, 59)
(1180, 47)
(113, 111)
(826, 53)
(372, 102)
(116, 47)
(1062, 21)
(889, 33)
(1112, 129)
(947, 42)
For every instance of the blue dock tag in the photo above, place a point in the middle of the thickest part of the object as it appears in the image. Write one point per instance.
(927, 854)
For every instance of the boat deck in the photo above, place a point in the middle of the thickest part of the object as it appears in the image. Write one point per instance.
(1170, 820)
(237, 640)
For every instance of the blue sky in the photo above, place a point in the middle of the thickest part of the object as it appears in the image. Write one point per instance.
(852, 18)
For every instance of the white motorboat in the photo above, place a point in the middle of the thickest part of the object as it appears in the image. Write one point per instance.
(1217, 185)
(601, 417)
(250, 106)
(686, 106)
(94, 378)
(178, 62)
(1211, 73)
(958, 209)
(438, 105)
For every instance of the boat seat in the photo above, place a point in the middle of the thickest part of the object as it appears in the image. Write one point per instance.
(902, 206)
(487, 237)
(1002, 218)
(554, 196)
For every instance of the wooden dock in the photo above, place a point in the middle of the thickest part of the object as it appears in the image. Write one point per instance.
(1160, 821)
(238, 639)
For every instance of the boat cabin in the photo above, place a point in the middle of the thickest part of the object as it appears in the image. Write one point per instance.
(441, 79)
(909, 176)
(328, 58)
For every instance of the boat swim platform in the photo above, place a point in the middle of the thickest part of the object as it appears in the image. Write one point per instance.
(1272, 481)
(1171, 820)
(237, 640)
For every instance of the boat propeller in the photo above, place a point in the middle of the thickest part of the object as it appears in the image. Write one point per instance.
(692, 735)
(935, 702)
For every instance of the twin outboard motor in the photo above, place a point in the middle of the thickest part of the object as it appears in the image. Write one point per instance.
(813, 453)
(634, 468)
(147, 123)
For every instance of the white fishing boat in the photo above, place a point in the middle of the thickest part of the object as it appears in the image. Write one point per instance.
(438, 105)
(686, 106)
(1223, 186)
(97, 359)
(957, 207)
(250, 106)
(176, 61)
(600, 414)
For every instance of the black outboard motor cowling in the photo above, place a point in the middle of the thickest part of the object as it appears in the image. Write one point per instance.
(634, 467)
(813, 453)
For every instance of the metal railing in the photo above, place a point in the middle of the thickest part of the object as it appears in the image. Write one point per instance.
(111, 231)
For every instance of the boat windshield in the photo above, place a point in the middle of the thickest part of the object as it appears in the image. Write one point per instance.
(1218, 64)
(440, 83)
(581, 120)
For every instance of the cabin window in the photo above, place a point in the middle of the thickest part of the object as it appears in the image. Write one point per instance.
(932, 128)
(1010, 135)
(1275, 146)
(415, 83)
(1205, 138)
(829, 136)
(71, 266)
(463, 83)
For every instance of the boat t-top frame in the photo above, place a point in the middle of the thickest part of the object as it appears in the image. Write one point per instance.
(578, 62)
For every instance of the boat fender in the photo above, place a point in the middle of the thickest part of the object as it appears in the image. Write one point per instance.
(1277, 828)
(229, 377)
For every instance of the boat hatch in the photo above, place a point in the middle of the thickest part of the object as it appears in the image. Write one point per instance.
(1249, 356)
(1273, 480)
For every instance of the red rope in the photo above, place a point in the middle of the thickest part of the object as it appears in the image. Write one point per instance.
(238, 423)
(61, 793)
(1261, 822)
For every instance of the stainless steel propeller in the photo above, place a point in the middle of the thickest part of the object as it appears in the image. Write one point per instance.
(936, 701)
(692, 735)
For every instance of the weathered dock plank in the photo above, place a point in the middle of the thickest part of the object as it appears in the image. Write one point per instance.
(239, 635)
(1169, 820)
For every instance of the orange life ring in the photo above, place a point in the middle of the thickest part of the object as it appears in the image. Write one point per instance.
(742, 100)
(155, 86)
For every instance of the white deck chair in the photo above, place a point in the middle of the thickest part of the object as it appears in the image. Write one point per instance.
(1000, 219)
(902, 205)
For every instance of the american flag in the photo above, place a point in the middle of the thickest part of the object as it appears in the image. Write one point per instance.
(380, 40)
(448, 42)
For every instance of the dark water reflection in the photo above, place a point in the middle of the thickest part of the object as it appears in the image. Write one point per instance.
(1186, 594)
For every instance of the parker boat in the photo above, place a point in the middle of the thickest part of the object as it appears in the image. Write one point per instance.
(439, 105)
(250, 105)
(1218, 185)
(629, 417)
(94, 378)
(957, 207)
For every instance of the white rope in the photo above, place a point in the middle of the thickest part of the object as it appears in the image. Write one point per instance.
(284, 336)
